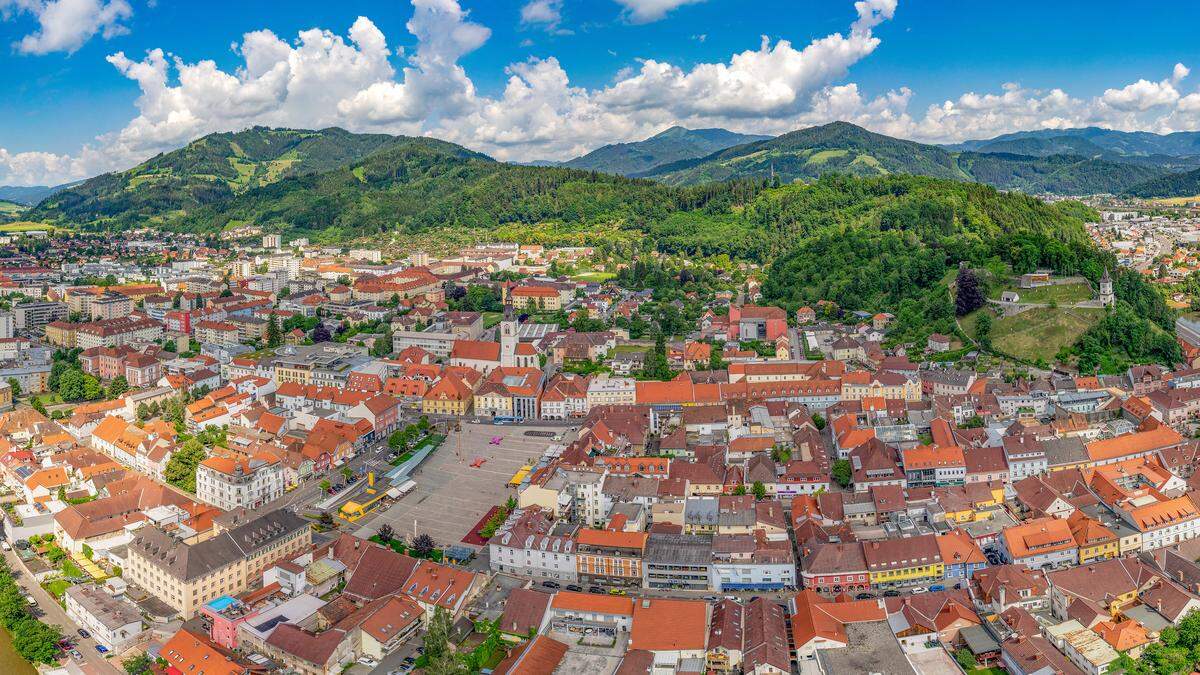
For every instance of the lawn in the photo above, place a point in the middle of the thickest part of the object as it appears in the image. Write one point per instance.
(27, 226)
(598, 277)
(492, 318)
(1063, 294)
(1037, 333)
(56, 587)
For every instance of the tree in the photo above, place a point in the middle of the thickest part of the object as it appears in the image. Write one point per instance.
(818, 421)
(715, 362)
(88, 552)
(347, 472)
(657, 367)
(143, 412)
(325, 485)
(983, 331)
(385, 532)
(423, 423)
(398, 441)
(320, 334)
(437, 635)
(423, 545)
(965, 659)
(138, 665)
(970, 296)
(326, 518)
(181, 468)
(38, 406)
(841, 472)
(36, 642)
(119, 385)
(739, 490)
(759, 490)
(71, 385)
(274, 335)
(16, 386)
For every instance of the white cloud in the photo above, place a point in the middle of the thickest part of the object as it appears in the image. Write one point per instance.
(65, 25)
(647, 11)
(547, 12)
(358, 82)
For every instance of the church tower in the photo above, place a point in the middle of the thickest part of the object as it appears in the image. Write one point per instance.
(508, 336)
(1106, 290)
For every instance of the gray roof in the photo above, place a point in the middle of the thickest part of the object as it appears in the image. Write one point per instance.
(191, 561)
(110, 611)
(872, 649)
(678, 549)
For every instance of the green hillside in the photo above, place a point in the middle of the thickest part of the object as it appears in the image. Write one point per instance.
(1172, 185)
(673, 145)
(838, 147)
(211, 169)
(1057, 174)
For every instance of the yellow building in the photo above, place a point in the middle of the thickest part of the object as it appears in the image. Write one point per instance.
(908, 560)
(187, 575)
(1096, 542)
(449, 396)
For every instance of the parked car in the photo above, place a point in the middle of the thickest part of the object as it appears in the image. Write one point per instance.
(574, 588)
(864, 596)
(30, 599)
(617, 591)
(368, 662)
(936, 587)
(597, 590)
(76, 655)
(891, 594)
(551, 584)
(83, 634)
(102, 649)
(919, 590)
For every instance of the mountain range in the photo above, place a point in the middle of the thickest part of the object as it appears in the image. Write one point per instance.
(673, 145)
(332, 179)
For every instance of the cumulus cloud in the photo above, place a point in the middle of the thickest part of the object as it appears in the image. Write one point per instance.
(544, 12)
(357, 81)
(647, 11)
(65, 25)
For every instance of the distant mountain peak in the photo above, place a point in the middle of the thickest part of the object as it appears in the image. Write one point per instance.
(670, 145)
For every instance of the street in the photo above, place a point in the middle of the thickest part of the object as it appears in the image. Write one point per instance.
(49, 611)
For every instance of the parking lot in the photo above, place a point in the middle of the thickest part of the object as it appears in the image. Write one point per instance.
(451, 495)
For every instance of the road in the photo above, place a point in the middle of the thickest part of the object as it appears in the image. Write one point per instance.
(50, 612)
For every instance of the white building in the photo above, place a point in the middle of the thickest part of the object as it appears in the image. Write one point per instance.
(229, 483)
(113, 622)
(531, 544)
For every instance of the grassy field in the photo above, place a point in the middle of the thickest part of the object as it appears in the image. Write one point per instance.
(598, 277)
(1177, 201)
(1037, 333)
(492, 318)
(1063, 294)
(27, 226)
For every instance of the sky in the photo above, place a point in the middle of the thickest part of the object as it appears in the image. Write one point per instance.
(99, 85)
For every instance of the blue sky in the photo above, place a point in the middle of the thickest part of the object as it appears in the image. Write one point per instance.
(70, 110)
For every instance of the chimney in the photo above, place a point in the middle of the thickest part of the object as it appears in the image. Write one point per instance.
(1158, 605)
(356, 542)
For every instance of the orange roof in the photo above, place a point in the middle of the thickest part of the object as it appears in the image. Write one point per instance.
(590, 537)
(1132, 444)
(818, 617)
(661, 624)
(1122, 635)
(189, 653)
(929, 457)
(50, 477)
(1039, 536)
(590, 602)
(1162, 514)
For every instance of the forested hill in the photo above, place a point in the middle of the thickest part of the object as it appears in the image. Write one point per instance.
(1066, 165)
(212, 169)
(672, 145)
(838, 147)
(1172, 185)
